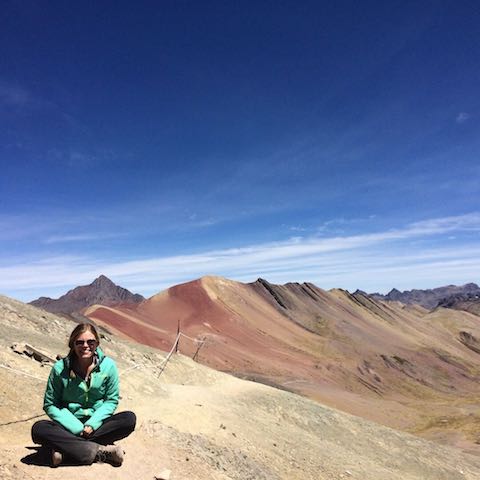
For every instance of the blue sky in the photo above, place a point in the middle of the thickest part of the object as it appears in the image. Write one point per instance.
(157, 142)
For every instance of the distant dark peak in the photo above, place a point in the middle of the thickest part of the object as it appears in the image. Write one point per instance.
(101, 291)
(446, 296)
(44, 299)
(102, 281)
(360, 292)
(394, 291)
(42, 302)
(468, 300)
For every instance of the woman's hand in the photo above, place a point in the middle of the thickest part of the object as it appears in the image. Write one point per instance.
(87, 431)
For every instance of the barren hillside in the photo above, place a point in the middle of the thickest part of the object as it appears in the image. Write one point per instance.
(204, 424)
(399, 365)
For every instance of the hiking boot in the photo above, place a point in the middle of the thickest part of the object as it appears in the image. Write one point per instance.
(57, 458)
(112, 454)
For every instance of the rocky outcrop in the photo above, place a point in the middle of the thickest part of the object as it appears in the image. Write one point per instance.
(470, 341)
(470, 302)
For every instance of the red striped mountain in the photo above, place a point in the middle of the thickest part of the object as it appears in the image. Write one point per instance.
(400, 365)
(102, 291)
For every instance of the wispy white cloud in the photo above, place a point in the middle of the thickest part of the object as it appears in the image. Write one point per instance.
(338, 225)
(462, 117)
(297, 228)
(81, 237)
(196, 221)
(375, 261)
(55, 224)
(468, 222)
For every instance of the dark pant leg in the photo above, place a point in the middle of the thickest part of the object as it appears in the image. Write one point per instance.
(52, 434)
(114, 428)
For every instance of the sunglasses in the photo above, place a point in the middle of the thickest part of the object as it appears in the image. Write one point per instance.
(90, 343)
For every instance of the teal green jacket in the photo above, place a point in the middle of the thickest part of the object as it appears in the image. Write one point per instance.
(73, 404)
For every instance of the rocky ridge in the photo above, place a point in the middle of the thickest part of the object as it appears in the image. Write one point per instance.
(429, 298)
(102, 291)
(469, 302)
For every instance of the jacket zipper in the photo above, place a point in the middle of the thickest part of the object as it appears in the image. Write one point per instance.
(88, 385)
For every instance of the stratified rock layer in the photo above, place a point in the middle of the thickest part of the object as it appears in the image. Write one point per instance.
(401, 365)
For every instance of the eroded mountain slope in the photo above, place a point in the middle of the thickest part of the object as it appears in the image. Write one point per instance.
(399, 365)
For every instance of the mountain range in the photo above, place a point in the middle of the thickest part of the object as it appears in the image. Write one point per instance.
(430, 298)
(469, 302)
(398, 364)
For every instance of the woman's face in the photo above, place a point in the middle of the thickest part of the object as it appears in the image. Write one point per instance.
(85, 345)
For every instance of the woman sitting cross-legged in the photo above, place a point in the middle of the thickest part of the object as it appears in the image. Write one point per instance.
(80, 399)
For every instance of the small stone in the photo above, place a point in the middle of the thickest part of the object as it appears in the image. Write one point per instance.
(17, 348)
(164, 475)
